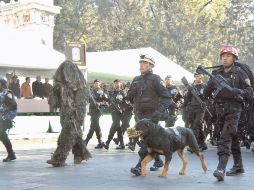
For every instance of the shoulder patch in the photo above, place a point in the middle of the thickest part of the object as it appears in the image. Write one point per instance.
(247, 81)
(9, 95)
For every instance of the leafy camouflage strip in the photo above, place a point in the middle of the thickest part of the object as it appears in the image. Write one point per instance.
(132, 133)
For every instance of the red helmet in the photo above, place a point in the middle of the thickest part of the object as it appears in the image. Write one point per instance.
(229, 49)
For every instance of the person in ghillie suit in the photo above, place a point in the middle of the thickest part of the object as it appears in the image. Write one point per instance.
(70, 94)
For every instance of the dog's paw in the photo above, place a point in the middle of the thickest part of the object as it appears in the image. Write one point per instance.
(143, 172)
(204, 168)
(181, 173)
(162, 175)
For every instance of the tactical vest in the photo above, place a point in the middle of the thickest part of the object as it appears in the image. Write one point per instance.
(232, 79)
(145, 97)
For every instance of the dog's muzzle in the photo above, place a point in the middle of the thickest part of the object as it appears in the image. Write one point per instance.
(133, 133)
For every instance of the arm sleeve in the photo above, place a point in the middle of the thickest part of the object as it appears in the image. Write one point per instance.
(165, 98)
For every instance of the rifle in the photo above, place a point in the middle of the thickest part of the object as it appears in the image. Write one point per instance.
(93, 101)
(219, 81)
(112, 101)
(195, 94)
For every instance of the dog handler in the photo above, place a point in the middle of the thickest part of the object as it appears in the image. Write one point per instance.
(150, 98)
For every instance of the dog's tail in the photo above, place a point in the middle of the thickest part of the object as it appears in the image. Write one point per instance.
(192, 141)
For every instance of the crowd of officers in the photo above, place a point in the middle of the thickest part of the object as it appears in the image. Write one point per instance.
(26, 91)
(223, 115)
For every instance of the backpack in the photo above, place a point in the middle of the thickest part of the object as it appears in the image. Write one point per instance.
(248, 71)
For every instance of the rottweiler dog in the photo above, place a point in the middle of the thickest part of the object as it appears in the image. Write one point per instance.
(166, 142)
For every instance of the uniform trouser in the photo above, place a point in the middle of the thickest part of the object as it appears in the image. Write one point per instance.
(126, 117)
(143, 147)
(229, 139)
(94, 126)
(5, 140)
(172, 117)
(115, 127)
(70, 138)
(196, 116)
(143, 153)
(250, 127)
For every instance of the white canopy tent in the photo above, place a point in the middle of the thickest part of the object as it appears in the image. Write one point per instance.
(26, 57)
(30, 58)
(126, 63)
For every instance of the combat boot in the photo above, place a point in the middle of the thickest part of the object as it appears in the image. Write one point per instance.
(235, 170)
(156, 165)
(116, 140)
(105, 145)
(247, 144)
(202, 147)
(131, 146)
(190, 150)
(136, 171)
(219, 174)
(10, 157)
(120, 147)
(99, 146)
(237, 167)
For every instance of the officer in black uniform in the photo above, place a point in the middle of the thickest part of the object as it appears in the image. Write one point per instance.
(127, 109)
(196, 112)
(177, 99)
(229, 106)
(150, 99)
(8, 111)
(100, 99)
(117, 97)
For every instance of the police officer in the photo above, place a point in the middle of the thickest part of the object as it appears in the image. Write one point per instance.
(196, 112)
(229, 106)
(127, 109)
(100, 99)
(8, 110)
(117, 102)
(150, 99)
(176, 97)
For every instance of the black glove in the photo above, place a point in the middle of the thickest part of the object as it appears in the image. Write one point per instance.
(237, 91)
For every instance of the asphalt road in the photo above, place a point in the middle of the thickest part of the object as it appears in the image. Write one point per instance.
(111, 170)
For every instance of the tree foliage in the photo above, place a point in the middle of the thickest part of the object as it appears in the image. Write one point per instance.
(190, 32)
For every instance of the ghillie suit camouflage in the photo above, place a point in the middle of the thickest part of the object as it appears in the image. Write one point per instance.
(70, 94)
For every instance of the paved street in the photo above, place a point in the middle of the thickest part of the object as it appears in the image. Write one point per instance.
(110, 170)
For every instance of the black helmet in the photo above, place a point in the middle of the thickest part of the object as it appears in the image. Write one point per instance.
(3, 82)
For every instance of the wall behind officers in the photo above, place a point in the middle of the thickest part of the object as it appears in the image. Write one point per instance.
(150, 99)
(8, 111)
(229, 105)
